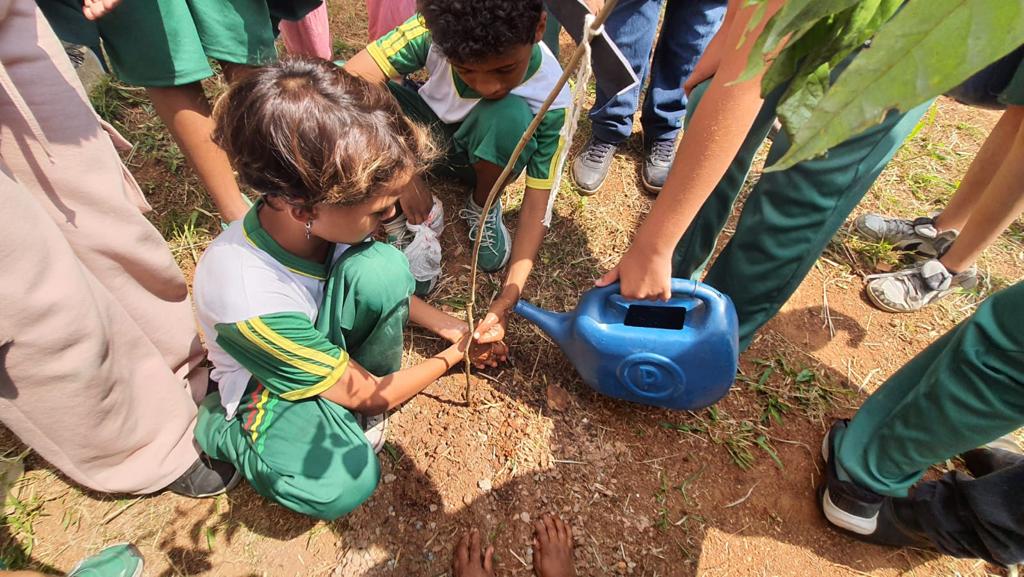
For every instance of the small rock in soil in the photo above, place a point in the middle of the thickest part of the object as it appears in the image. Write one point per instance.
(433, 508)
(557, 398)
(484, 484)
(525, 517)
(389, 478)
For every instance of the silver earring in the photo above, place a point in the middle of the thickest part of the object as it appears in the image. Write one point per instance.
(309, 229)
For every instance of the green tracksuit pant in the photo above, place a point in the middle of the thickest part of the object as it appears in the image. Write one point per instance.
(311, 455)
(963, 391)
(789, 217)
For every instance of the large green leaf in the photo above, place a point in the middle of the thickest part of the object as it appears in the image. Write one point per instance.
(928, 48)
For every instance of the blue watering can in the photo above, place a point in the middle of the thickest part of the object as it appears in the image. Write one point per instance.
(679, 354)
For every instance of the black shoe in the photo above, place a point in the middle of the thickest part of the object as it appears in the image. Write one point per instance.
(591, 167)
(657, 161)
(863, 514)
(205, 478)
(999, 454)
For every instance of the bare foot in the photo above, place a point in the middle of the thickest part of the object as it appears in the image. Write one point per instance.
(552, 548)
(468, 560)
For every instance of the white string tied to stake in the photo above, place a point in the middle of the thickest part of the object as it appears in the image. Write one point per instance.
(576, 104)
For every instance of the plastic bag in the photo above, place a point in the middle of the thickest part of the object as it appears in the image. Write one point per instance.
(424, 252)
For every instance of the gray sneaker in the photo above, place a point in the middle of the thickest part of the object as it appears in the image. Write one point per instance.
(657, 162)
(591, 167)
(916, 287)
(918, 235)
(496, 243)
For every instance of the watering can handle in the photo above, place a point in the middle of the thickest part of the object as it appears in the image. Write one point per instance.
(680, 287)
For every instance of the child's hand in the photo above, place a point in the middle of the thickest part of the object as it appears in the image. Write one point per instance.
(94, 9)
(491, 329)
(484, 355)
(416, 203)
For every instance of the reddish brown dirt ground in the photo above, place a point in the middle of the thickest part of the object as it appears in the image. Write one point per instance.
(649, 492)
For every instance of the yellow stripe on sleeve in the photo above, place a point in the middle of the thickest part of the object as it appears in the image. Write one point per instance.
(323, 385)
(375, 52)
(409, 31)
(291, 346)
(310, 368)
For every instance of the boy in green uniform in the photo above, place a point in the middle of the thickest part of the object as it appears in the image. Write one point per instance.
(489, 74)
(961, 392)
(303, 316)
(789, 216)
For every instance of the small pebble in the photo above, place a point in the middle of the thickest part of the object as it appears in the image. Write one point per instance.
(389, 478)
(484, 484)
(433, 508)
(525, 517)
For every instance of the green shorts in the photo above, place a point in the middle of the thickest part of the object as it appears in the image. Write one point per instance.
(490, 132)
(160, 43)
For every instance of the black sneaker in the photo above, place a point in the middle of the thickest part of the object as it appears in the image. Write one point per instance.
(591, 167)
(998, 454)
(205, 478)
(863, 514)
(657, 162)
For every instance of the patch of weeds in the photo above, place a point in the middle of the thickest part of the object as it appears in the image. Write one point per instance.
(686, 484)
(783, 386)
(342, 50)
(876, 256)
(392, 451)
(113, 100)
(774, 407)
(183, 236)
(20, 516)
(661, 499)
(739, 438)
(925, 186)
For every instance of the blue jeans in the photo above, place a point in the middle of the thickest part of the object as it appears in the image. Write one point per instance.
(688, 27)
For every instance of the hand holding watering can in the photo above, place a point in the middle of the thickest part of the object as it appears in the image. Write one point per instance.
(679, 354)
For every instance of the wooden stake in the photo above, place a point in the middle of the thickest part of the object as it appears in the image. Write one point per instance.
(574, 61)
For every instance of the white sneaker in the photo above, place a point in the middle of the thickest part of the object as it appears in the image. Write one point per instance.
(916, 287)
(375, 427)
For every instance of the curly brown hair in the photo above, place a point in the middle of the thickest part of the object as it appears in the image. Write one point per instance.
(473, 30)
(307, 132)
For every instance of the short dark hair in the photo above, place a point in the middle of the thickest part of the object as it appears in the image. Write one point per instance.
(472, 30)
(308, 132)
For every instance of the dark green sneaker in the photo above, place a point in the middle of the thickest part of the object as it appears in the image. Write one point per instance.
(496, 244)
(122, 560)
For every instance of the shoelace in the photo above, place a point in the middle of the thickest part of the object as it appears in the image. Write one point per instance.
(473, 216)
(598, 151)
(397, 230)
(923, 227)
(662, 151)
(925, 278)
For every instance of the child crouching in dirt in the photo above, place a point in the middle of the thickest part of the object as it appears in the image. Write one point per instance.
(303, 315)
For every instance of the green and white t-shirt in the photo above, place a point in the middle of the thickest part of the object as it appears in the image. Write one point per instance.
(409, 48)
(257, 306)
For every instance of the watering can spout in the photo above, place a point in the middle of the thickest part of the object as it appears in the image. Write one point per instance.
(555, 325)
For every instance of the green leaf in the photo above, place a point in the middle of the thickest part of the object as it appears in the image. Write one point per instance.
(796, 14)
(928, 48)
